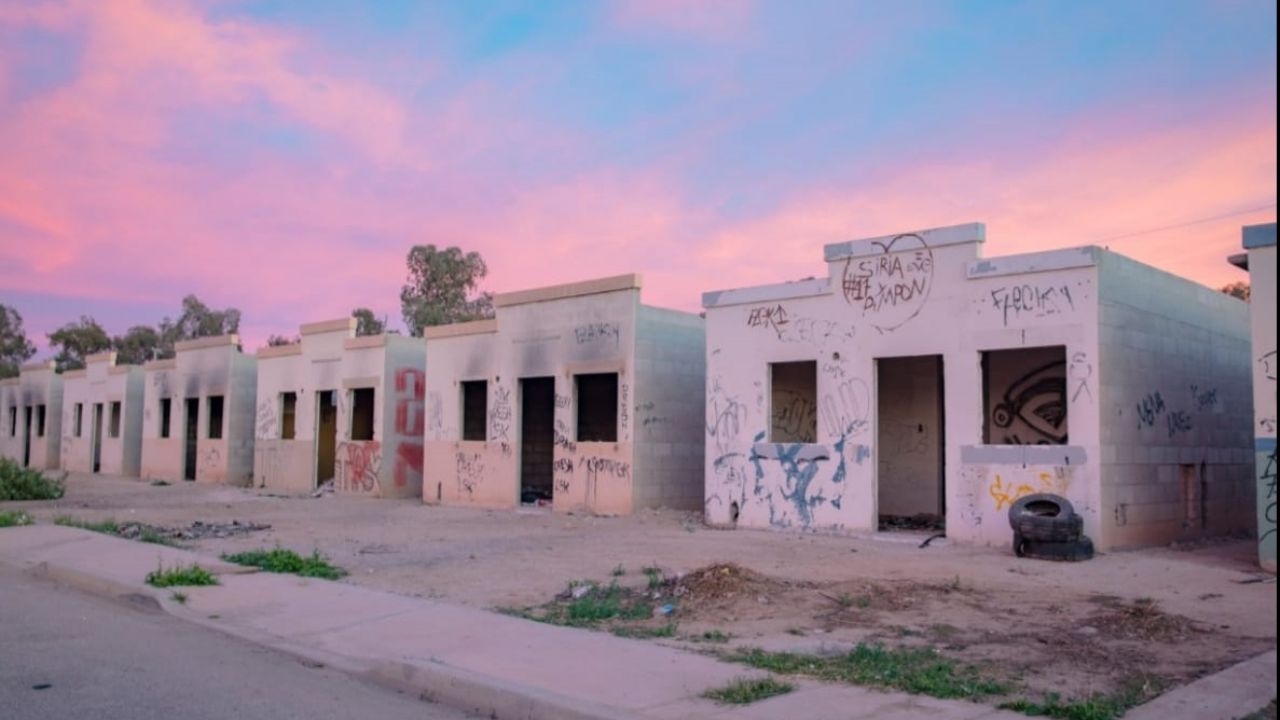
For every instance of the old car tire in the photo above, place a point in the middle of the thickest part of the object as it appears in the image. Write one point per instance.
(1081, 549)
(1044, 517)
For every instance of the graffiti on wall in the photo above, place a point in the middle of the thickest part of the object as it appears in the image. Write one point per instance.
(815, 331)
(1007, 492)
(891, 287)
(1267, 480)
(769, 317)
(725, 417)
(470, 471)
(1151, 408)
(435, 413)
(500, 415)
(624, 411)
(266, 419)
(1037, 402)
(357, 466)
(794, 416)
(1037, 301)
(1267, 424)
(562, 473)
(846, 409)
(1080, 374)
(604, 333)
(410, 386)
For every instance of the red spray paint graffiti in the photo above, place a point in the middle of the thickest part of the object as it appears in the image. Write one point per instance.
(358, 464)
(410, 392)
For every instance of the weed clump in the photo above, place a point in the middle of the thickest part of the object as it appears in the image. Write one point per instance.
(282, 560)
(163, 577)
(19, 483)
(744, 691)
(15, 518)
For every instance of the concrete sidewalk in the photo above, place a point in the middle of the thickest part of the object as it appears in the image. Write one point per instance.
(497, 666)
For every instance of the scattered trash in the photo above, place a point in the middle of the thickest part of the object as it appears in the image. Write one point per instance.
(1257, 579)
(930, 539)
(666, 609)
(922, 521)
(579, 590)
(325, 488)
(197, 531)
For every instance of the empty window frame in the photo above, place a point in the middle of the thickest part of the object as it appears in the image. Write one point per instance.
(40, 413)
(793, 402)
(362, 414)
(475, 408)
(215, 417)
(1024, 394)
(113, 424)
(597, 396)
(78, 419)
(288, 415)
(166, 416)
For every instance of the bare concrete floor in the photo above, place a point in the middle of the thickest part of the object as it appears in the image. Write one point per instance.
(1067, 627)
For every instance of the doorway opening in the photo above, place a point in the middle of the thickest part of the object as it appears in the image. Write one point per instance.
(910, 462)
(96, 440)
(190, 438)
(537, 438)
(326, 435)
(26, 437)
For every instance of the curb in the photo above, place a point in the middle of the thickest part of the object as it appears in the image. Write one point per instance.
(99, 586)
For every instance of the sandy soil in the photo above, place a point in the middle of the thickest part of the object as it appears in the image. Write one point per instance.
(1075, 628)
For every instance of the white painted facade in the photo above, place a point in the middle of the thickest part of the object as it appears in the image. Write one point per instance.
(577, 395)
(182, 435)
(31, 407)
(917, 378)
(307, 425)
(102, 407)
(1260, 261)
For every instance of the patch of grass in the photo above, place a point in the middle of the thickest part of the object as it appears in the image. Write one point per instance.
(19, 483)
(655, 576)
(163, 577)
(798, 632)
(1099, 706)
(711, 636)
(179, 597)
(1265, 713)
(619, 571)
(15, 518)
(155, 537)
(744, 691)
(282, 560)
(641, 632)
(108, 526)
(591, 607)
(921, 671)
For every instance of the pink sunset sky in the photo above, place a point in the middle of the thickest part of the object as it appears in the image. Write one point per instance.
(283, 157)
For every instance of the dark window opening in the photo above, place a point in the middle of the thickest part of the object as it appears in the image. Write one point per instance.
(13, 421)
(475, 401)
(597, 407)
(78, 419)
(1024, 394)
(793, 407)
(362, 414)
(40, 413)
(215, 417)
(113, 425)
(288, 415)
(166, 414)
(538, 438)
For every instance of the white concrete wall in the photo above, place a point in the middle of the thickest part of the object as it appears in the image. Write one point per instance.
(161, 456)
(924, 293)
(1176, 407)
(103, 383)
(1261, 244)
(284, 465)
(403, 416)
(37, 385)
(10, 410)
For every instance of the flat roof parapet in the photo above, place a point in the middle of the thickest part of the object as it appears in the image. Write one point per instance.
(162, 364)
(9, 381)
(1259, 236)
(347, 324)
(231, 340)
(272, 351)
(364, 341)
(932, 237)
(1034, 262)
(120, 369)
(108, 356)
(475, 327)
(811, 287)
(35, 367)
(74, 374)
(568, 290)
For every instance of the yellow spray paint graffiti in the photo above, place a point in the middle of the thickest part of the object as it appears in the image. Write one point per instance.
(1005, 494)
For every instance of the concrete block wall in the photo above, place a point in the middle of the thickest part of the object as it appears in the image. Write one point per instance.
(241, 406)
(1176, 407)
(161, 456)
(38, 385)
(665, 413)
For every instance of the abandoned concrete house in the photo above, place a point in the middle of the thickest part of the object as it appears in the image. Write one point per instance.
(341, 408)
(197, 422)
(918, 379)
(32, 407)
(102, 417)
(576, 395)
(1259, 259)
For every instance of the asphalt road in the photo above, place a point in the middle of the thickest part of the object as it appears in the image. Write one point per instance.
(102, 659)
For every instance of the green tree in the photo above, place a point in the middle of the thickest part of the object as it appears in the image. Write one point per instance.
(441, 287)
(76, 341)
(138, 345)
(1237, 289)
(278, 340)
(196, 320)
(367, 323)
(15, 348)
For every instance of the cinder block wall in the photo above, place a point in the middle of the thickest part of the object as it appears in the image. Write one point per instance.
(1176, 407)
(668, 409)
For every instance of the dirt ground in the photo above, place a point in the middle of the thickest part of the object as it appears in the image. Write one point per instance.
(1076, 628)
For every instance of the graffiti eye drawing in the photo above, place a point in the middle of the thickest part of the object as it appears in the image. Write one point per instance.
(1039, 400)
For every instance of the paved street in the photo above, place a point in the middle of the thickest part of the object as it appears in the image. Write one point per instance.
(101, 659)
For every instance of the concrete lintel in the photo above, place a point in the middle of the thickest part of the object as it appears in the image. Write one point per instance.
(231, 340)
(107, 356)
(37, 366)
(794, 290)
(359, 383)
(806, 451)
(346, 324)
(568, 290)
(165, 364)
(121, 369)
(933, 237)
(475, 327)
(275, 351)
(1024, 263)
(364, 341)
(74, 374)
(1055, 455)
(1259, 236)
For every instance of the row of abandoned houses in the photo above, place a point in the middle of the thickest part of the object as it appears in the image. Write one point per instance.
(916, 379)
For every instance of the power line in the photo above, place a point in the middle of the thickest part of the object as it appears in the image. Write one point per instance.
(1188, 223)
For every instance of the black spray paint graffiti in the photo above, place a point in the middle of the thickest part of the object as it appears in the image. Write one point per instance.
(1152, 406)
(1204, 398)
(470, 469)
(1148, 408)
(1268, 362)
(598, 332)
(562, 438)
(1039, 401)
(562, 470)
(892, 287)
(773, 317)
(1032, 300)
(1268, 479)
(845, 411)
(725, 417)
(624, 420)
(795, 416)
(1080, 373)
(815, 331)
(500, 416)
(266, 419)
(598, 467)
